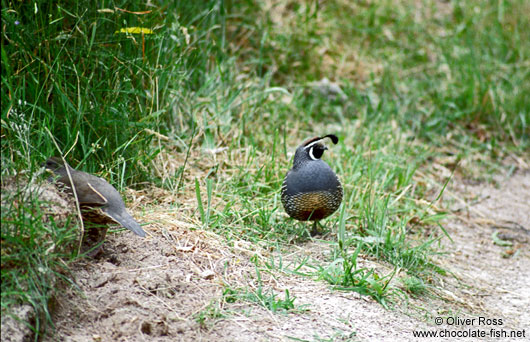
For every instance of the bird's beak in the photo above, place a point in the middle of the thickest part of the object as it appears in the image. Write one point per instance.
(45, 168)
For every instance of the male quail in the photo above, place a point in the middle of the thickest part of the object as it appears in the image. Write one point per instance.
(311, 190)
(100, 201)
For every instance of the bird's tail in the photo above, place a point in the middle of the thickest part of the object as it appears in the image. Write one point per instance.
(127, 221)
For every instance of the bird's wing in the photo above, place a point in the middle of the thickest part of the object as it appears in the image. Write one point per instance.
(90, 195)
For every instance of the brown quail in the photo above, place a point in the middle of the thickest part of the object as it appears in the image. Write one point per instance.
(311, 190)
(100, 202)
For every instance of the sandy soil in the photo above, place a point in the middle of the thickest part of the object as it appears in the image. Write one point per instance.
(155, 289)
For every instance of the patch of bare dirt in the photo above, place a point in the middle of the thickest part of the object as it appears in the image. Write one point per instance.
(490, 253)
(155, 289)
(162, 288)
(142, 289)
(14, 326)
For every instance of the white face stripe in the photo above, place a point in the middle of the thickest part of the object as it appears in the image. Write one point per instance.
(311, 154)
(309, 145)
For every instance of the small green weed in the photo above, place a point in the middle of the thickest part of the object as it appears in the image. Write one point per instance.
(414, 285)
(207, 316)
(261, 296)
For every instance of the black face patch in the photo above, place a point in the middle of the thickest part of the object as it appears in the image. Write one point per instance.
(316, 151)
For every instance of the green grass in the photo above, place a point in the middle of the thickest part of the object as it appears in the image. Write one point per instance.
(260, 295)
(429, 85)
(36, 248)
(414, 285)
(266, 298)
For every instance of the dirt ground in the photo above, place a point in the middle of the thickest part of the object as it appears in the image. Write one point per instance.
(159, 288)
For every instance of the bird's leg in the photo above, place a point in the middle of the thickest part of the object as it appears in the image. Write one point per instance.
(315, 230)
